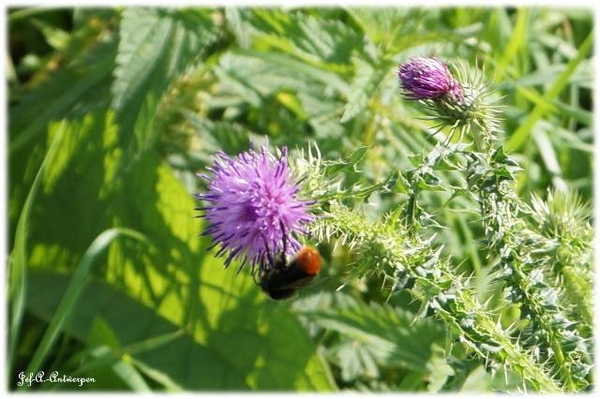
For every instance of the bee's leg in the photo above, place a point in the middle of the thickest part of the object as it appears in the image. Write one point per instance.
(283, 237)
(254, 273)
(270, 258)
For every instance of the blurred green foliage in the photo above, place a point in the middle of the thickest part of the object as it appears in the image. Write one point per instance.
(115, 110)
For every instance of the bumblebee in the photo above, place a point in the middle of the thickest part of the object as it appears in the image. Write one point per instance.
(283, 280)
(280, 279)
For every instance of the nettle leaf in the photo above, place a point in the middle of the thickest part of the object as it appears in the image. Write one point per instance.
(254, 76)
(173, 282)
(392, 27)
(355, 361)
(70, 90)
(296, 96)
(304, 73)
(439, 369)
(388, 338)
(155, 47)
(365, 82)
(219, 136)
(321, 41)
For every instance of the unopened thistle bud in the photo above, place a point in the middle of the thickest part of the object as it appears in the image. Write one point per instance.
(425, 78)
(461, 101)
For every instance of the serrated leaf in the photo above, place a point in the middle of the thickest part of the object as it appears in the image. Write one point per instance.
(365, 82)
(216, 136)
(392, 336)
(439, 370)
(173, 279)
(155, 47)
(317, 40)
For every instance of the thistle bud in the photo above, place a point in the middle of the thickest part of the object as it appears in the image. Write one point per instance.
(462, 102)
(424, 78)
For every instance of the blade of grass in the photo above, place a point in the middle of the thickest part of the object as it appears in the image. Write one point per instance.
(580, 115)
(520, 136)
(74, 289)
(550, 159)
(517, 41)
(130, 376)
(18, 258)
(536, 99)
(152, 343)
(157, 376)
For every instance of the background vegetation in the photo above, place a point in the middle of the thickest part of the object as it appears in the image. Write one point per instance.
(113, 111)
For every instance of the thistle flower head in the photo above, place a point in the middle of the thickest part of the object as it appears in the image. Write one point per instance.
(424, 78)
(252, 206)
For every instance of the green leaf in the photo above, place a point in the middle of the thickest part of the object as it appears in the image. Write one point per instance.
(157, 376)
(105, 352)
(215, 136)
(101, 334)
(549, 158)
(545, 76)
(318, 40)
(172, 277)
(349, 162)
(439, 369)
(388, 27)
(131, 377)
(392, 337)
(239, 27)
(155, 47)
(70, 93)
(581, 115)
(361, 91)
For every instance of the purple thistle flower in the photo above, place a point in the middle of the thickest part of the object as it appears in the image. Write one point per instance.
(425, 78)
(252, 204)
